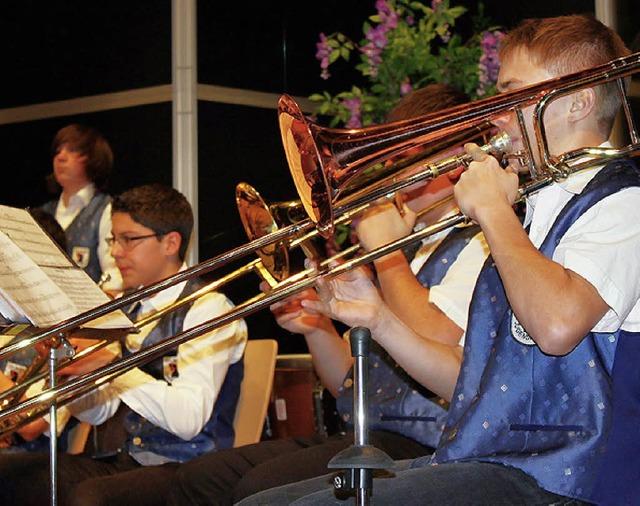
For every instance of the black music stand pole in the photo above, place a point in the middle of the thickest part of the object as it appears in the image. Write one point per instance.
(360, 459)
(64, 350)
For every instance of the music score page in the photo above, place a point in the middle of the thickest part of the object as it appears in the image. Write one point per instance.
(39, 283)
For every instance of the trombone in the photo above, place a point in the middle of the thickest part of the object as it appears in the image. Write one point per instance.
(323, 161)
(260, 219)
(259, 222)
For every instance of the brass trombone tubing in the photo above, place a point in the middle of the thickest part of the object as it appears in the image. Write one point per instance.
(66, 392)
(209, 287)
(203, 267)
(381, 146)
(40, 362)
(38, 365)
(359, 196)
(322, 159)
(349, 207)
(253, 246)
(415, 132)
(9, 396)
(358, 202)
(348, 217)
(396, 170)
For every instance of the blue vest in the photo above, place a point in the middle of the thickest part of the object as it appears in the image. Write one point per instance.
(217, 433)
(619, 478)
(83, 235)
(546, 415)
(398, 403)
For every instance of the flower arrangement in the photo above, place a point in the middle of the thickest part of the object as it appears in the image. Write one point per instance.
(406, 46)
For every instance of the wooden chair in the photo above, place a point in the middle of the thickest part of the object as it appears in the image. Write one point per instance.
(255, 392)
(77, 438)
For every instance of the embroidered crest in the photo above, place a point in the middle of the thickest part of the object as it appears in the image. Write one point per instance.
(14, 371)
(518, 332)
(170, 368)
(81, 255)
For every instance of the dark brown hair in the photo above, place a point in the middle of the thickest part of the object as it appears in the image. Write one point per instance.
(91, 143)
(161, 208)
(431, 98)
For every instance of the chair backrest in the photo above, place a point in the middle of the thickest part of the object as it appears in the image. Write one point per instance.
(255, 391)
(77, 438)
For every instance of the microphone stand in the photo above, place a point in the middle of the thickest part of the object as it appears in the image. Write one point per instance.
(360, 459)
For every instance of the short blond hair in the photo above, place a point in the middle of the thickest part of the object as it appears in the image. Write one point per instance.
(566, 44)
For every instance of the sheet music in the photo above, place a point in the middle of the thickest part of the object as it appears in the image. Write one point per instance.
(29, 288)
(86, 295)
(26, 233)
(39, 283)
(9, 311)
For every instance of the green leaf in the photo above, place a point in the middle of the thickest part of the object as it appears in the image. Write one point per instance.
(415, 53)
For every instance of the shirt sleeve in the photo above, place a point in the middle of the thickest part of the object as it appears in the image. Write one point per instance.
(107, 262)
(453, 294)
(184, 406)
(96, 406)
(603, 246)
(62, 413)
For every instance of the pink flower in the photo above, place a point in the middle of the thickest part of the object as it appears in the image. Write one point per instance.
(354, 105)
(405, 87)
(388, 18)
(489, 66)
(376, 37)
(323, 52)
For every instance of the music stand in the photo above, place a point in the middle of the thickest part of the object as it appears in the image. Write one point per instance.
(63, 350)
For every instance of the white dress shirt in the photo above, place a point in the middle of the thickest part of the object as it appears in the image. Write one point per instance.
(602, 246)
(184, 406)
(453, 294)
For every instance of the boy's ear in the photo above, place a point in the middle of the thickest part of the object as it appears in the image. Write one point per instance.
(172, 242)
(582, 103)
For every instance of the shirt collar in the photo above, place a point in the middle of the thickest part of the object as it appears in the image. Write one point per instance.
(165, 297)
(81, 198)
(575, 183)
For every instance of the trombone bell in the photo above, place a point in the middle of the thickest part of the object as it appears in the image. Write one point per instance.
(324, 160)
(258, 222)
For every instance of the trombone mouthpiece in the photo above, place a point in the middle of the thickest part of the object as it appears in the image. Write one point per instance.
(499, 143)
(104, 279)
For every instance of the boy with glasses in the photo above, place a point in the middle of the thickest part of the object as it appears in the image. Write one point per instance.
(169, 410)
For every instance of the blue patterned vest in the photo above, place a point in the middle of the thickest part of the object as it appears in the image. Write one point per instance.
(619, 478)
(83, 235)
(397, 403)
(514, 405)
(217, 433)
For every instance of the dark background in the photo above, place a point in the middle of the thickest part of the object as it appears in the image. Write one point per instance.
(61, 50)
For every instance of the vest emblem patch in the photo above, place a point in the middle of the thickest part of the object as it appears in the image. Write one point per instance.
(81, 256)
(518, 332)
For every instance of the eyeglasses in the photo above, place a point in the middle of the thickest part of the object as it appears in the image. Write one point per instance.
(128, 242)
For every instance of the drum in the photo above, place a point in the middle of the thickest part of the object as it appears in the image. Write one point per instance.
(296, 400)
